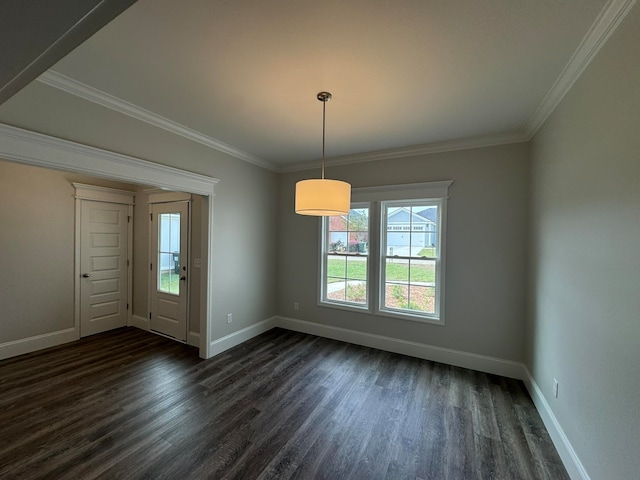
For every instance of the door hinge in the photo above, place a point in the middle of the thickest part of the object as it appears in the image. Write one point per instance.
(127, 262)
(151, 266)
(128, 218)
(151, 216)
(127, 306)
(149, 315)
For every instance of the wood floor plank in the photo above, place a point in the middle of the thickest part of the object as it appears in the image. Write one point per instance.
(284, 405)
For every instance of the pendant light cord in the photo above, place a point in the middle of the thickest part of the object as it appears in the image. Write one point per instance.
(324, 106)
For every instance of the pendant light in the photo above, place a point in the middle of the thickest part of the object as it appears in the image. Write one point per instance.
(322, 197)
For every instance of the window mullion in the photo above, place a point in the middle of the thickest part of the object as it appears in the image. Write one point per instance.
(374, 255)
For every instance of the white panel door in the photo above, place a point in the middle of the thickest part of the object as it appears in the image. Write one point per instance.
(169, 260)
(103, 266)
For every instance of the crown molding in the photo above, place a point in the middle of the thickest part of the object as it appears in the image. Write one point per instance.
(605, 24)
(425, 149)
(79, 89)
(31, 148)
(63, 43)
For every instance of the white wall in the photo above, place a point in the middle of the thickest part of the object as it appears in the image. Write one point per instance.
(485, 275)
(584, 307)
(244, 217)
(37, 225)
(36, 245)
(583, 315)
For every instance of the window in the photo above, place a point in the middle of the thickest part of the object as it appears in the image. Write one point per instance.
(169, 253)
(409, 260)
(345, 259)
(387, 256)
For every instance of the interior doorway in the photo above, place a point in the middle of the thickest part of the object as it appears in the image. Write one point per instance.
(31, 148)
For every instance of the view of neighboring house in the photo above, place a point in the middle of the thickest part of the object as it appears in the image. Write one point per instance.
(407, 227)
(413, 228)
(350, 232)
(169, 241)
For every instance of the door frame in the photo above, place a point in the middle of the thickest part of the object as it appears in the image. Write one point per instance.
(156, 196)
(95, 193)
(31, 148)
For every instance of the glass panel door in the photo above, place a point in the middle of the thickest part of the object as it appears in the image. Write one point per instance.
(169, 253)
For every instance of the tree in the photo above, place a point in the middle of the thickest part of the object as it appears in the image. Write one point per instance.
(359, 225)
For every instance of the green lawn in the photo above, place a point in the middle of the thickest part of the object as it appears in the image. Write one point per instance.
(170, 282)
(427, 252)
(357, 270)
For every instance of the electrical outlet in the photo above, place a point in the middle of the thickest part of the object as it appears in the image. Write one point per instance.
(555, 388)
(229, 317)
(296, 306)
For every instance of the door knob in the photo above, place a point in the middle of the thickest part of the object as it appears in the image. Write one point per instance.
(85, 275)
(183, 278)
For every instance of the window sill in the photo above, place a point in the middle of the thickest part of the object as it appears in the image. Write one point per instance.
(410, 317)
(382, 313)
(346, 306)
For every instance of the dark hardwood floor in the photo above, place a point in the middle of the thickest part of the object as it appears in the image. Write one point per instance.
(129, 404)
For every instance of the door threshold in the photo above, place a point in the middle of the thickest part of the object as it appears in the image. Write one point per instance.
(167, 336)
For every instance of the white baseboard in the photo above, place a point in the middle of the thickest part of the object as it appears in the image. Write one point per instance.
(482, 363)
(38, 342)
(236, 338)
(570, 459)
(193, 339)
(140, 322)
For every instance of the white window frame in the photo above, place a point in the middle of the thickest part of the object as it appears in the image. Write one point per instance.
(383, 310)
(324, 255)
(373, 197)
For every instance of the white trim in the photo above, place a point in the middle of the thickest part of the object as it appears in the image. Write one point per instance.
(193, 339)
(103, 194)
(162, 196)
(236, 338)
(347, 307)
(434, 193)
(79, 89)
(31, 148)
(412, 151)
(398, 314)
(140, 322)
(605, 24)
(568, 455)
(473, 361)
(38, 342)
(601, 29)
(406, 191)
(206, 279)
(322, 299)
(129, 265)
(76, 266)
(437, 318)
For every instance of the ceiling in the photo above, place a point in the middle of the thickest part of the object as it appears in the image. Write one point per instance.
(44, 33)
(242, 75)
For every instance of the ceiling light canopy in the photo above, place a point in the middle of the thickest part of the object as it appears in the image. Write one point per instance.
(323, 197)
